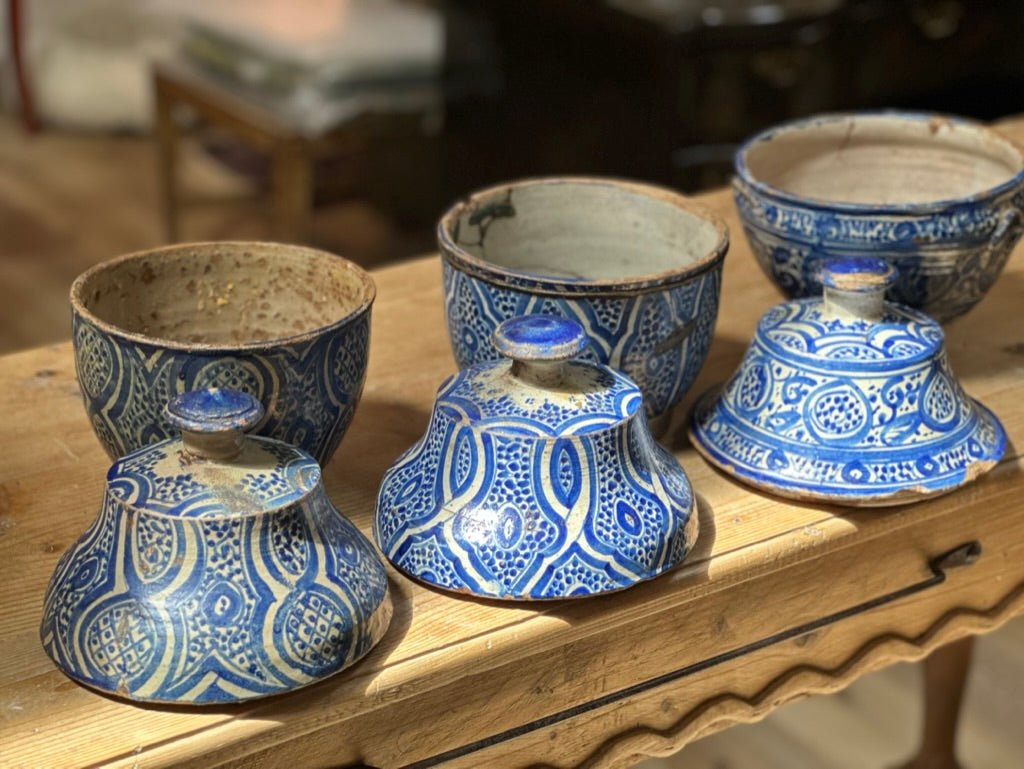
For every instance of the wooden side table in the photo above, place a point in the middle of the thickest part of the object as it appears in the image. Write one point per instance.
(293, 148)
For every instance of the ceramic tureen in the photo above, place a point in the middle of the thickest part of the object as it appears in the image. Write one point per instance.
(848, 399)
(216, 571)
(537, 478)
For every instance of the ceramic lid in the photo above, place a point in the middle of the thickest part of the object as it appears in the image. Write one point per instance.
(848, 398)
(538, 389)
(852, 329)
(537, 478)
(213, 470)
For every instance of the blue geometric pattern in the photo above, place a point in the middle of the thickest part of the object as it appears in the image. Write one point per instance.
(832, 408)
(201, 585)
(946, 259)
(659, 338)
(519, 492)
(126, 384)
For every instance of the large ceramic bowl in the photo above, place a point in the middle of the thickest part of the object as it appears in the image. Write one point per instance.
(937, 197)
(285, 324)
(639, 267)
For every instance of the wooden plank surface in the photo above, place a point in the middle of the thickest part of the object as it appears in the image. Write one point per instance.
(441, 650)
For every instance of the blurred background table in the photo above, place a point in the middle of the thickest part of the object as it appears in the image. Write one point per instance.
(309, 140)
(778, 601)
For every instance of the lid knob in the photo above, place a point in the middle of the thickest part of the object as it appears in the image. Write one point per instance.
(212, 420)
(538, 345)
(856, 286)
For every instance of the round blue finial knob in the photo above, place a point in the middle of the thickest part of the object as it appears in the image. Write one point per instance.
(857, 273)
(855, 286)
(212, 420)
(540, 338)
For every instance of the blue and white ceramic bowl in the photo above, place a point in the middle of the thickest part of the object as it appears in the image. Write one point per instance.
(848, 400)
(286, 324)
(639, 267)
(537, 478)
(216, 571)
(938, 198)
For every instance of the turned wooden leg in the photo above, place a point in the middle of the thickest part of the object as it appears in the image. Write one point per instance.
(167, 154)
(945, 677)
(293, 192)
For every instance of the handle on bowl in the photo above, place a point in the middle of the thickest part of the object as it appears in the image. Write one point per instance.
(1009, 226)
(744, 198)
(538, 346)
(213, 420)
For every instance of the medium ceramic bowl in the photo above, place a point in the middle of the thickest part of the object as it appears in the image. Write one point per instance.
(286, 324)
(639, 267)
(937, 197)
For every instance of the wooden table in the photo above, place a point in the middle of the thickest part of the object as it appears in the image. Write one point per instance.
(778, 601)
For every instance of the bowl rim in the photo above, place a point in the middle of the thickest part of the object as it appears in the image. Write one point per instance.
(539, 283)
(369, 293)
(745, 176)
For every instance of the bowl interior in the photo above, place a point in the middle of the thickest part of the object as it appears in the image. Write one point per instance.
(223, 294)
(883, 159)
(588, 230)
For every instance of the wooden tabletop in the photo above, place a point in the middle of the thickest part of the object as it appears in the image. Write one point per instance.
(779, 599)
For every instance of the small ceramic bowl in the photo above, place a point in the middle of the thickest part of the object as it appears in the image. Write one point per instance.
(937, 197)
(537, 478)
(216, 571)
(286, 324)
(638, 266)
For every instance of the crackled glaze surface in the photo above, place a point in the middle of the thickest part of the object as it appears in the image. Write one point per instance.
(203, 582)
(841, 408)
(303, 355)
(639, 268)
(536, 493)
(939, 199)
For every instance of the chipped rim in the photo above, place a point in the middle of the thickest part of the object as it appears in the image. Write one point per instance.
(363, 279)
(747, 178)
(538, 283)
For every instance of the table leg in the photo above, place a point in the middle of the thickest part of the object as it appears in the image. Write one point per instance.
(945, 677)
(293, 192)
(167, 153)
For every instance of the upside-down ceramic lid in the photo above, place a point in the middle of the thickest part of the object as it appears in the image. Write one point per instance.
(537, 478)
(849, 399)
(217, 570)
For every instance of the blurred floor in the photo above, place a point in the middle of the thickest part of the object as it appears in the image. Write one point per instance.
(68, 201)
